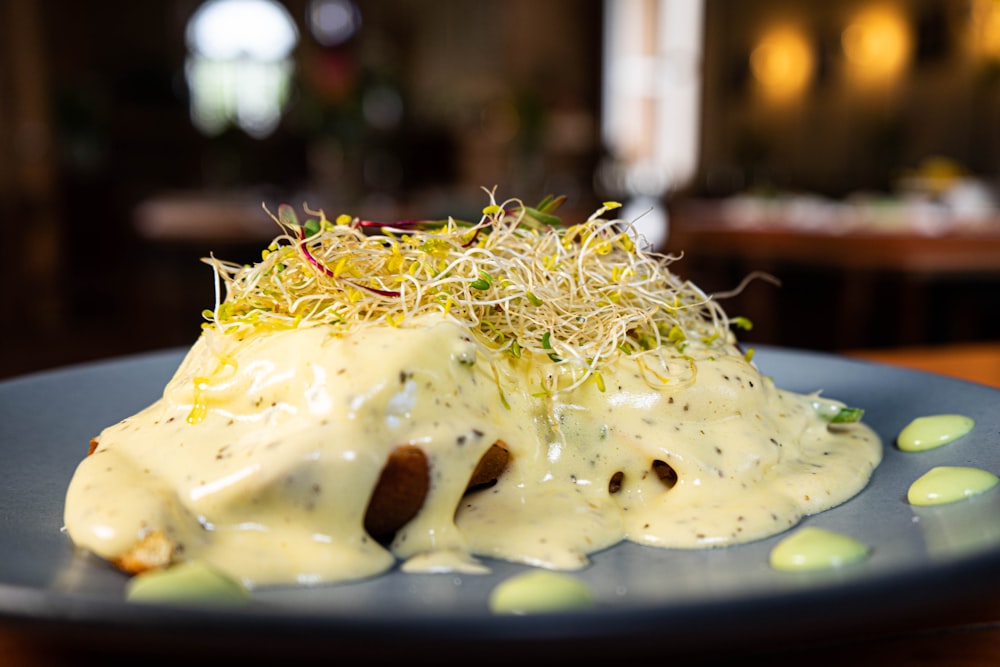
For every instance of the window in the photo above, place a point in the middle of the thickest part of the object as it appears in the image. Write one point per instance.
(239, 66)
(651, 103)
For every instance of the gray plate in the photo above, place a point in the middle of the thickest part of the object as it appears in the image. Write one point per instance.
(922, 562)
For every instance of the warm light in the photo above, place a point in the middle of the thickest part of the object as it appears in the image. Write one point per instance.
(877, 44)
(783, 62)
(986, 27)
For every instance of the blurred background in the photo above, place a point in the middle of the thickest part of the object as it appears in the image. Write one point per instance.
(849, 150)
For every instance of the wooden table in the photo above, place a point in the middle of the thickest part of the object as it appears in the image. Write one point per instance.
(706, 233)
(706, 229)
(968, 637)
(974, 361)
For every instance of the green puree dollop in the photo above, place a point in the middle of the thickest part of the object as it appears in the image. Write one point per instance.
(949, 484)
(816, 549)
(192, 581)
(540, 591)
(925, 433)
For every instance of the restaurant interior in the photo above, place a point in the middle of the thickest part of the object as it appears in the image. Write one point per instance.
(827, 170)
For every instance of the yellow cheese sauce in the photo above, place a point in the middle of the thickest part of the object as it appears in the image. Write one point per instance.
(262, 454)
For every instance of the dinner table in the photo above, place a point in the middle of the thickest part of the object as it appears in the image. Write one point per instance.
(966, 633)
(906, 271)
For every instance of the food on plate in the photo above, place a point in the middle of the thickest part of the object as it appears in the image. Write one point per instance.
(431, 392)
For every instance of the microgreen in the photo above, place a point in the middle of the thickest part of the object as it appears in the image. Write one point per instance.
(519, 279)
(847, 416)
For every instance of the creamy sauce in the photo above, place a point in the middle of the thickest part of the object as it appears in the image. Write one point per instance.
(262, 454)
(816, 549)
(925, 433)
(949, 484)
(540, 591)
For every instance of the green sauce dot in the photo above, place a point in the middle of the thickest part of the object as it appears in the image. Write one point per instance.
(949, 484)
(925, 433)
(540, 591)
(816, 549)
(187, 582)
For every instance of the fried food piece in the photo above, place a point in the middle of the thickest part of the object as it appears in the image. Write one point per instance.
(400, 491)
(397, 498)
(615, 483)
(405, 480)
(490, 466)
(153, 551)
(665, 472)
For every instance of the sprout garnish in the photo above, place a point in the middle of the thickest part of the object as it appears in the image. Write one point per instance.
(520, 280)
(834, 412)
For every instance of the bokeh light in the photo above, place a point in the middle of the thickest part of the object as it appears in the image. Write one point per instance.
(877, 43)
(783, 62)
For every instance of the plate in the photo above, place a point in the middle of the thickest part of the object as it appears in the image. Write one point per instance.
(922, 561)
